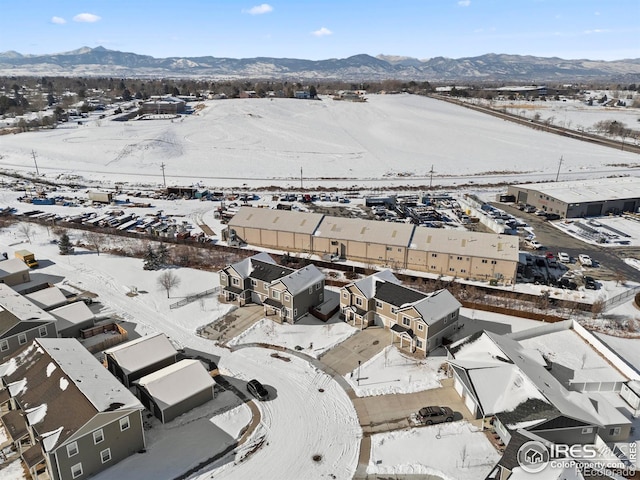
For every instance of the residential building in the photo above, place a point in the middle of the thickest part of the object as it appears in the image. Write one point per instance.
(14, 272)
(175, 389)
(523, 382)
(73, 318)
(69, 417)
(286, 293)
(132, 360)
(47, 298)
(164, 106)
(419, 321)
(21, 322)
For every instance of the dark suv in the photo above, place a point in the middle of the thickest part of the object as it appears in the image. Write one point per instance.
(432, 415)
(256, 389)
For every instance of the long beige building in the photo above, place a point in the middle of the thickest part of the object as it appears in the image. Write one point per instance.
(455, 253)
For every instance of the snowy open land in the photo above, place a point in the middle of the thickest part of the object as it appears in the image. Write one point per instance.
(389, 140)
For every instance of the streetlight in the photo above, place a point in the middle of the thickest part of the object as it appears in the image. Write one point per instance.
(358, 379)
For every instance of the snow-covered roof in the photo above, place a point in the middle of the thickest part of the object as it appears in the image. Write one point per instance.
(527, 368)
(302, 279)
(175, 383)
(20, 306)
(360, 230)
(367, 285)
(11, 266)
(437, 304)
(142, 352)
(580, 191)
(73, 314)
(47, 297)
(245, 266)
(282, 220)
(463, 242)
(97, 384)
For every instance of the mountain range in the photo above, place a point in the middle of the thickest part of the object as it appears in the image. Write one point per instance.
(103, 62)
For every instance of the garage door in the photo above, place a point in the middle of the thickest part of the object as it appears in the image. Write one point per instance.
(457, 385)
(378, 321)
(470, 404)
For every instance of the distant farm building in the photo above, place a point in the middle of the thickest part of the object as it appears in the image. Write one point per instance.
(165, 105)
(583, 198)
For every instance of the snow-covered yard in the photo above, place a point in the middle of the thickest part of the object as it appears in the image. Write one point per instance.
(391, 372)
(310, 335)
(453, 451)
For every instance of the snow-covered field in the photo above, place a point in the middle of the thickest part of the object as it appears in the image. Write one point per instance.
(312, 336)
(391, 372)
(453, 451)
(389, 140)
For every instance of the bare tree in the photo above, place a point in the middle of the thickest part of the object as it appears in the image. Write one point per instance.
(168, 280)
(26, 230)
(94, 240)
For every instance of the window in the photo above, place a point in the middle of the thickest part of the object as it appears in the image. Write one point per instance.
(358, 301)
(266, 285)
(318, 286)
(389, 249)
(42, 331)
(345, 294)
(76, 470)
(378, 304)
(432, 267)
(98, 436)
(493, 262)
(420, 327)
(310, 289)
(484, 260)
(320, 296)
(458, 258)
(453, 315)
(334, 243)
(406, 321)
(587, 430)
(275, 294)
(287, 298)
(434, 255)
(295, 312)
(124, 424)
(462, 270)
(419, 343)
(254, 283)
(451, 269)
(235, 281)
(394, 310)
(105, 455)
(614, 431)
(22, 339)
(4, 345)
(72, 449)
(446, 320)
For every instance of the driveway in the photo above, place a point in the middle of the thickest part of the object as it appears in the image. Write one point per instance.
(233, 323)
(362, 346)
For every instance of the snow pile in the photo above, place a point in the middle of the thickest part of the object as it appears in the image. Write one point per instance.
(312, 337)
(391, 372)
(634, 262)
(452, 451)
(234, 421)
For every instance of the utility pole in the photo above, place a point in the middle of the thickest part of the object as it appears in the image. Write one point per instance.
(301, 178)
(33, 154)
(164, 181)
(431, 177)
(559, 165)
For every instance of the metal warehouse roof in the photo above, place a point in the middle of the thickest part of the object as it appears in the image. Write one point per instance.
(461, 242)
(368, 231)
(582, 191)
(282, 220)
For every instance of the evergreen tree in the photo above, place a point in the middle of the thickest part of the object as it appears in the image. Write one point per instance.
(162, 255)
(150, 259)
(65, 245)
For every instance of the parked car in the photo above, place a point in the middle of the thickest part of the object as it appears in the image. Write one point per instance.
(552, 216)
(590, 283)
(567, 283)
(529, 208)
(585, 260)
(433, 414)
(564, 257)
(256, 389)
(540, 213)
(536, 245)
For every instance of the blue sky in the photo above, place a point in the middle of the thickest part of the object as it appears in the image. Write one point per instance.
(594, 29)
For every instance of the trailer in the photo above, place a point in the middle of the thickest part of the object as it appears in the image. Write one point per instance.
(27, 257)
(100, 197)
